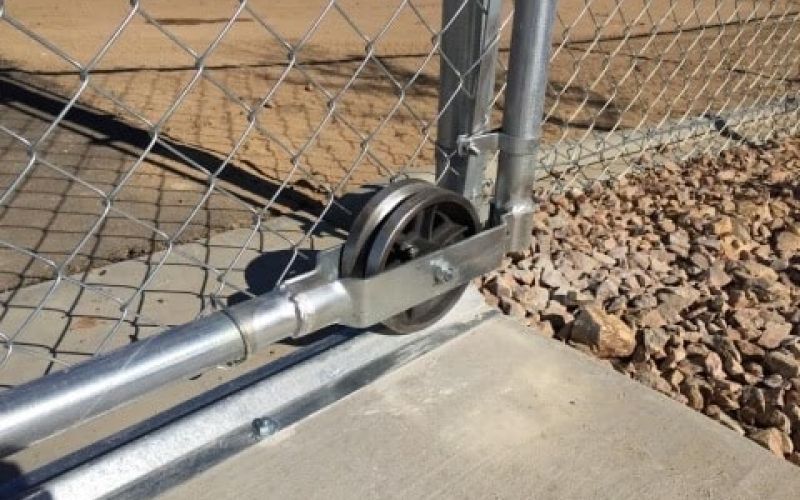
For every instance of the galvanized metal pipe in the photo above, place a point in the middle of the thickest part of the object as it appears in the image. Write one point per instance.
(46, 406)
(40, 408)
(522, 117)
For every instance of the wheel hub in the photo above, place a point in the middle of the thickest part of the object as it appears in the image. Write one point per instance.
(404, 221)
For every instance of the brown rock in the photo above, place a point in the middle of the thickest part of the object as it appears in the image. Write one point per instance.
(674, 377)
(774, 381)
(697, 350)
(667, 225)
(543, 328)
(726, 401)
(748, 320)
(793, 346)
(654, 341)
(700, 260)
(763, 281)
(673, 301)
(783, 364)
(536, 299)
(756, 271)
(645, 301)
(793, 413)
(779, 420)
(725, 347)
(608, 336)
(640, 259)
(712, 411)
(753, 209)
(604, 259)
(674, 356)
(747, 416)
(491, 299)
(584, 263)
(713, 366)
(723, 226)
(617, 304)
(574, 298)
(749, 350)
(753, 398)
(554, 279)
(774, 333)
(609, 288)
(787, 243)
(730, 423)
(732, 247)
(523, 276)
(754, 369)
(717, 277)
(691, 390)
(654, 381)
(512, 308)
(501, 285)
(557, 314)
(652, 319)
(659, 266)
(733, 368)
(774, 440)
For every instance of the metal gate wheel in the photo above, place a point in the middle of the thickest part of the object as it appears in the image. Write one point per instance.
(403, 221)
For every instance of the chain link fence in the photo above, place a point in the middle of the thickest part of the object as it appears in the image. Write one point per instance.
(130, 129)
(633, 83)
(161, 160)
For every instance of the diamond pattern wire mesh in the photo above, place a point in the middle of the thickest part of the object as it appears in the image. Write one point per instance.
(160, 159)
(206, 149)
(637, 83)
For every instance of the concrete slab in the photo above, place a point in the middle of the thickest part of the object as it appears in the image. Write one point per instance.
(501, 413)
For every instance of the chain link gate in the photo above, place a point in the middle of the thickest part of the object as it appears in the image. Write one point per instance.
(304, 130)
(167, 164)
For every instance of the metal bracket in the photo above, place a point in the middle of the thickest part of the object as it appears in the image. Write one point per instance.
(495, 140)
(323, 298)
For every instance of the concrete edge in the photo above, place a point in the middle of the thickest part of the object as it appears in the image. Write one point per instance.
(238, 415)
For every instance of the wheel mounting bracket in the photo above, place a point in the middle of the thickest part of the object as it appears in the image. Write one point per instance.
(372, 278)
(363, 302)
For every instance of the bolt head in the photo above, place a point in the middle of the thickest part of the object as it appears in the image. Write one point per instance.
(443, 273)
(263, 427)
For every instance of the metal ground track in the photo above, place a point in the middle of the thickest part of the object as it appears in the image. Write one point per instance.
(171, 447)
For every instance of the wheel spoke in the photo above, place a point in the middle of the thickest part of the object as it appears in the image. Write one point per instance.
(417, 225)
(446, 233)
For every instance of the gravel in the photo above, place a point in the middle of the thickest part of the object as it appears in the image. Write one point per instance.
(684, 277)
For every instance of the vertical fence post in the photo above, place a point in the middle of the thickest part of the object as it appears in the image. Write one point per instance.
(466, 89)
(522, 116)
